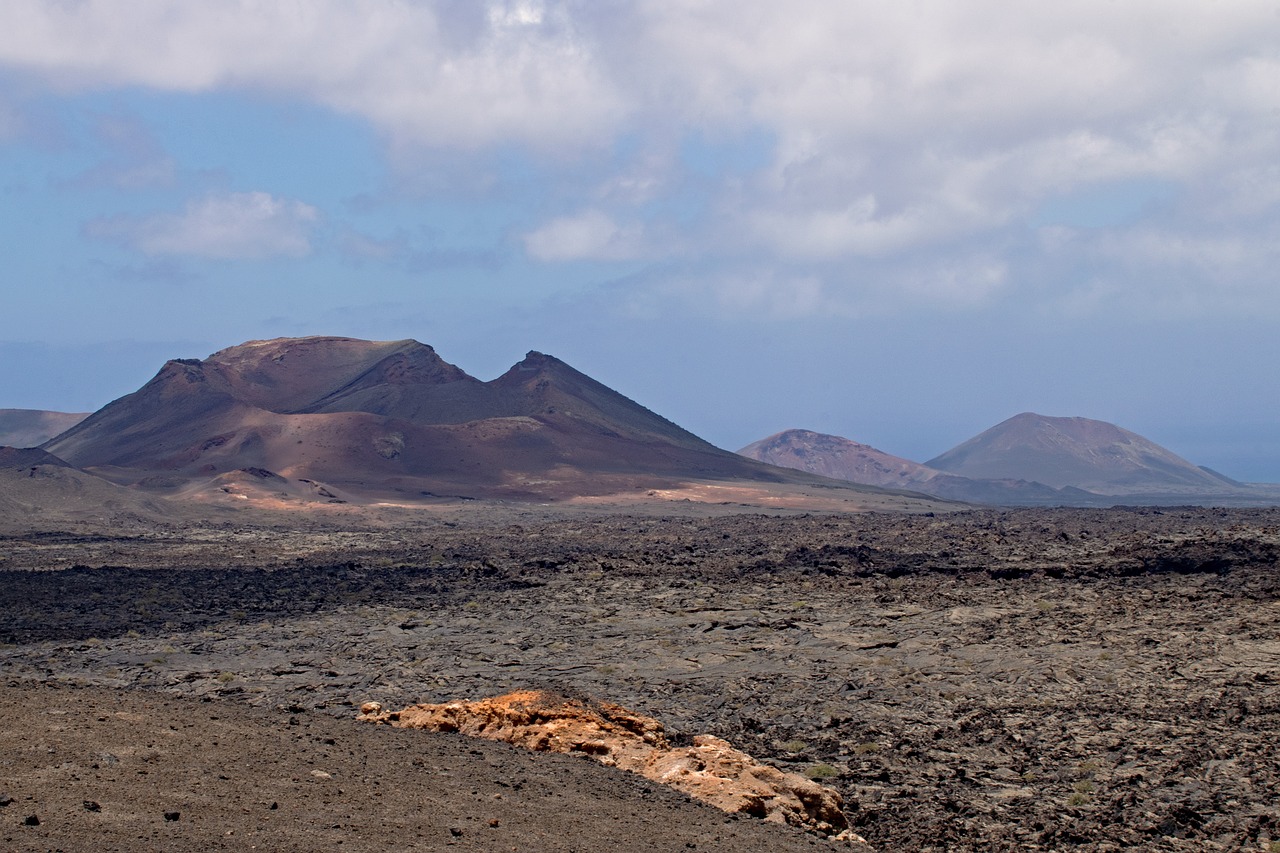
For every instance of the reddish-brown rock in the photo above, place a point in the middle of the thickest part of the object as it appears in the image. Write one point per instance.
(710, 770)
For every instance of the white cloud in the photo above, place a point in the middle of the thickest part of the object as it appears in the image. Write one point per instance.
(852, 230)
(738, 293)
(898, 130)
(590, 235)
(435, 73)
(250, 225)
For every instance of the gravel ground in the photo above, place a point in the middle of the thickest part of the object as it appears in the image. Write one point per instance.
(1037, 679)
(108, 770)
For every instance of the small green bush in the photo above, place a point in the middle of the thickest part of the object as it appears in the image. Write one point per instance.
(818, 772)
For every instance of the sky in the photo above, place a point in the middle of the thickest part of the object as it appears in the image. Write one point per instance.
(901, 223)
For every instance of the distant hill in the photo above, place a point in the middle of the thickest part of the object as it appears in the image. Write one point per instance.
(841, 458)
(1087, 454)
(844, 459)
(1029, 460)
(389, 420)
(33, 427)
(39, 491)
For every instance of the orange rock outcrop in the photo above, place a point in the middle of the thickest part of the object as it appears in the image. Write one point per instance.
(710, 770)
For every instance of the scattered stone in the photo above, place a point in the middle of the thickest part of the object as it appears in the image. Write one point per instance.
(32, 820)
(92, 806)
(172, 816)
(371, 708)
(966, 677)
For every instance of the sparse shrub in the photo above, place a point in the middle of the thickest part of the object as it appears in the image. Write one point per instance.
(818, 772)
(868, 748)
(1084, 786)
(795, 746)
(1078, 799)
(226, 677)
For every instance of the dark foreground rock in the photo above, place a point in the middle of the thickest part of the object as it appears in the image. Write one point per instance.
(1053, 680)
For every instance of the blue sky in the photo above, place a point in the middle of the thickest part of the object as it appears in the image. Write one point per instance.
(900, 223)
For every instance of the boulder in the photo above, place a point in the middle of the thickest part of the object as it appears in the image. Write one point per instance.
(710, 770)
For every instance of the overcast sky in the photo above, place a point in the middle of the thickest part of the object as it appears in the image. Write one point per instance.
(897, 222)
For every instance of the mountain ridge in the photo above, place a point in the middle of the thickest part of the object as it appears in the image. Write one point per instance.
(1026, 460)
(391, 420)
(842, 458)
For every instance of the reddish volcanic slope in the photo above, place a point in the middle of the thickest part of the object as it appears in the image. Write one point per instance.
(843, 459)
(390, 419)
(1080, 452)
(840, 458)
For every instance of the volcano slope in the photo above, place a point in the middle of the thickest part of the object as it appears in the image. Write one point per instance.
(340, 419)
(1082, 453)
(834, 456)
(1031, 679)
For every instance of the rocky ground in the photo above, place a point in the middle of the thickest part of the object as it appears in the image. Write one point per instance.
(1038, 679)
(102, 770)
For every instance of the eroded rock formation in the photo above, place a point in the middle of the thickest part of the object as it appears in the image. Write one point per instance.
(710, 770)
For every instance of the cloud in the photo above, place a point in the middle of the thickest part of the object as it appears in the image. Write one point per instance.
(435, 73)
(892, 133)
(590, 235)
(234, 226)
(852, 230)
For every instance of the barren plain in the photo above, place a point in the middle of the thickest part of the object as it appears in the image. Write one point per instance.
(980, 680)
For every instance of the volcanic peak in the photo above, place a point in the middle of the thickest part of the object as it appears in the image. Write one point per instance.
(1080, 452)
(295, 375)
(390, 418)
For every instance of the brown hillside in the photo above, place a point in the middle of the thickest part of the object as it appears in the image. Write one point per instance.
(392, 421)
(843, 459)
(1080, 452)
